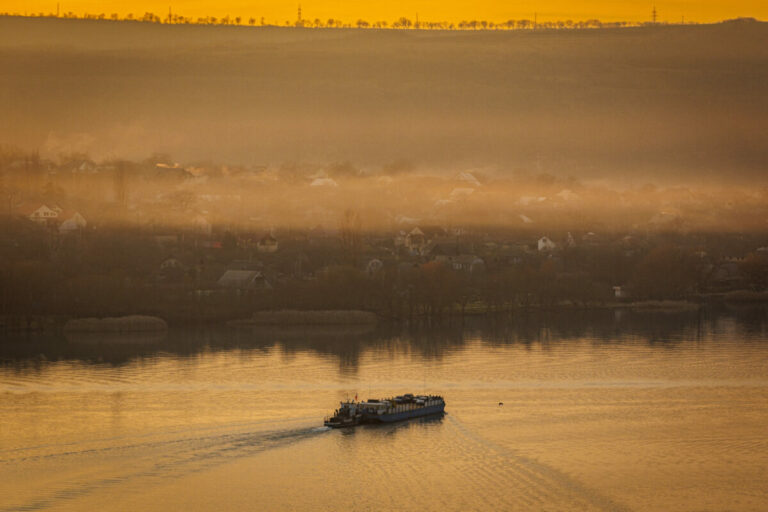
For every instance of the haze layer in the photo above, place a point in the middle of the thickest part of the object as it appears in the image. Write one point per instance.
(688, 100)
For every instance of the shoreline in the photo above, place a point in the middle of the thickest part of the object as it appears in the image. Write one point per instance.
(29, 323)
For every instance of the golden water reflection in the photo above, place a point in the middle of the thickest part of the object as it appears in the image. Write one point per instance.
(592, 422)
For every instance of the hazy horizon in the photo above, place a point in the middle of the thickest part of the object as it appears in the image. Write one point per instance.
(688, 101)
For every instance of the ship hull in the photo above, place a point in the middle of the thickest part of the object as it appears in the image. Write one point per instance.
(405, 415)
(341, 424)
(389, 410)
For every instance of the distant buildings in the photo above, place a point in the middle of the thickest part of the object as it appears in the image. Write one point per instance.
(66, 221)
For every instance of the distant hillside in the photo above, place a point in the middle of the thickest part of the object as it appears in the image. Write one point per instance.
(636, 101)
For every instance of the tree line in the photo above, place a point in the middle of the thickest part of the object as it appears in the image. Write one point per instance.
(401, 23)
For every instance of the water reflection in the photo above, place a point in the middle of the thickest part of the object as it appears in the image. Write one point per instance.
(348, 344)
(387, 430)
(655, 411)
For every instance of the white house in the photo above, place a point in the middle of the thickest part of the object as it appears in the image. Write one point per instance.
(71, 221)
(42, 213)
(546, 245)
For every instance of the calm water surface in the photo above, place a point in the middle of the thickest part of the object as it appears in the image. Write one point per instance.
(603, 411)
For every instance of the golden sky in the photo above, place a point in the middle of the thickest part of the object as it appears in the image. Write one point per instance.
(278, 11)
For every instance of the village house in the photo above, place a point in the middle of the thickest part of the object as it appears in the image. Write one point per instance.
(267, 244)
(415, 241)
(546, 245)
(71, 221)
(243, 281)
(41, 213)
(420, 241)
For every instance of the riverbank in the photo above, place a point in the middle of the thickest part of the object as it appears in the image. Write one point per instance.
(220, 316)
(296, 317)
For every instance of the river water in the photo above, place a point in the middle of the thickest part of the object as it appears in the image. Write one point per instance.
(601, 411)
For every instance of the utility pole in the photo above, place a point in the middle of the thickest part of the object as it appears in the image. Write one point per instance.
(653, 15)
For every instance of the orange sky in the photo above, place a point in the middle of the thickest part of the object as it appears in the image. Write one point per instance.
(278, 11)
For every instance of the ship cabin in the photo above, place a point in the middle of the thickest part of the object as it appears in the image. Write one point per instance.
(373, 406)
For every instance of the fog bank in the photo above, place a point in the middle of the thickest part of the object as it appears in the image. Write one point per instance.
(683, 101)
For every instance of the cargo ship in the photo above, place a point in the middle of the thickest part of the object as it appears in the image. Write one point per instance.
(403, 407)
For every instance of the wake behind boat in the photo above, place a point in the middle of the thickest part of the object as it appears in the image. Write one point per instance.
(351, 413)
